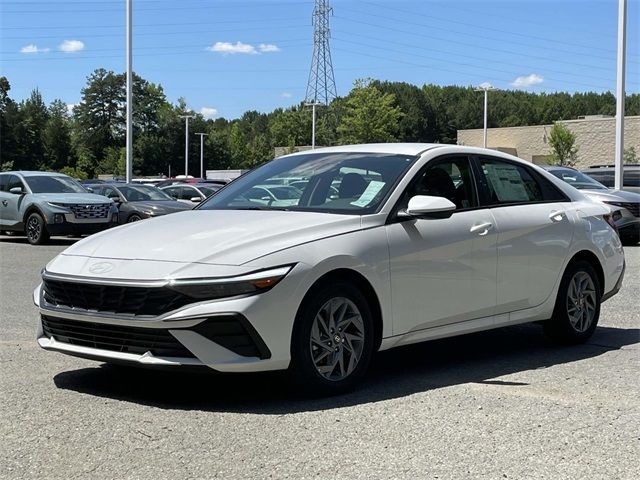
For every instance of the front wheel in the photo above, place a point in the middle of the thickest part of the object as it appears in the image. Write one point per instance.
(577, 310)
(134, 218)
(332, 340)
(36, 230)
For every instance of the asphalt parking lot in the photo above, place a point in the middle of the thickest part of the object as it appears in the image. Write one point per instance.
(500, 404)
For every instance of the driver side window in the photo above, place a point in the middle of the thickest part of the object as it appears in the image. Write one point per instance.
(450, 178)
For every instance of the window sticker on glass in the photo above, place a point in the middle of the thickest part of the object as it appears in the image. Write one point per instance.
(369, 194)
(506, 182)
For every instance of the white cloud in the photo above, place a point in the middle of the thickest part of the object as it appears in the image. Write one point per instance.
(71, 46)
(286, 95)
(268, 48)
(208, 112)
(527, 81)
(227, 48)
(32, 48)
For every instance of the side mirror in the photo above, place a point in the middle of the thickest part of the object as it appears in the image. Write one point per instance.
(427, 206)
(196, 199)
(89, 189)
(16, 190)
(115, 198)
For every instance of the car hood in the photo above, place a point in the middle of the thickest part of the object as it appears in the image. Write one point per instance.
(86, 198)
(159, 207)
(220, 237)
(613, 196)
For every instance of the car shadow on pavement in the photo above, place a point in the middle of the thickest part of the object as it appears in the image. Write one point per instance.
(55, 241)
(475, 358)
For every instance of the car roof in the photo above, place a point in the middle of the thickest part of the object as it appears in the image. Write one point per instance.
(30, 173)
(397, 148)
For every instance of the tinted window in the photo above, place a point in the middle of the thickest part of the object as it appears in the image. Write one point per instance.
(4, 183)
(631, 178)
(54, 184)
(605, 178)
(509, 183)
(141, 193)
(450, 178)
(187, 193)
(577, 179)
(348, 183)
(14, 181)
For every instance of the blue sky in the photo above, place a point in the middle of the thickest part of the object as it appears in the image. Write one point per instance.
(228, 56)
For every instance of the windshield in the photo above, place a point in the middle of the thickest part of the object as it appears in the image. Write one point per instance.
(578, 180)
(53, 184)
(141, 193)
(346, 183)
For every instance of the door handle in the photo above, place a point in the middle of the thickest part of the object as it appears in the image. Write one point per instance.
(557, 216)
(483, 228)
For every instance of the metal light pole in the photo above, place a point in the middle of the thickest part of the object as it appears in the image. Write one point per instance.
(202, 135)
(313, 106)
(620, 94)
(186, 143)
(485, 87)
(129, 133)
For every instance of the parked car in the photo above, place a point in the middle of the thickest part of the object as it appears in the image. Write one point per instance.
(190, 194)
(274, 195)
(136, 202)
(321, 285)
(605, 174)
(41, 204)
(627, 219)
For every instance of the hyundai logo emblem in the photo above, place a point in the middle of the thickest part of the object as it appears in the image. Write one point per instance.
(101, 267)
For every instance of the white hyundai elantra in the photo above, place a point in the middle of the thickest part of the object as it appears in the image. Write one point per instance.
(379, 246)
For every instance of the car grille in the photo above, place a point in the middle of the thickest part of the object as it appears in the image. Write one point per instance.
(83, 211)
(115, 338)
(634, 208)
(138, 301)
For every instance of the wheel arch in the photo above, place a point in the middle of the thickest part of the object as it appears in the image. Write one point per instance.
(33, 208)
(594, 261)
(357, 279)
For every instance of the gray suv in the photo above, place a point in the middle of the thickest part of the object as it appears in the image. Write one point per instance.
(41, 204)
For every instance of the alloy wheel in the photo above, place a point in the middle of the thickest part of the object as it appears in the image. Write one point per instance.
(34, 229)
(337, 339)
(581, 301)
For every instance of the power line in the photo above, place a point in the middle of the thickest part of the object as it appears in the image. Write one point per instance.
(474, 45)
(479, 26)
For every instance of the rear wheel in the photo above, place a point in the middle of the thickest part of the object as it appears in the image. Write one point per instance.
(36, 230)
(332, 341)
(577, 309)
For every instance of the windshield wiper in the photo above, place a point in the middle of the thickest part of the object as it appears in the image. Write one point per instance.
(280, 209)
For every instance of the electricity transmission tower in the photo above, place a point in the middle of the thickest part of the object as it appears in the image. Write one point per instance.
(321, 88)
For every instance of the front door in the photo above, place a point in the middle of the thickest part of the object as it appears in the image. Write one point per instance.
(443, 270)
(10, 202)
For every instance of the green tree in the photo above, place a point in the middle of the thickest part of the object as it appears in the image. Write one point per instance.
(562, 142)
(57, 137)
(370, 115)
(630, 155)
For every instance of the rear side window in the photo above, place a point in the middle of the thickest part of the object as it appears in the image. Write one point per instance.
(508, 183)
(4, 183)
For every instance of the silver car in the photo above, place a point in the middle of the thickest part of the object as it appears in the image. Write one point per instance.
(42, 204)
(627, 218)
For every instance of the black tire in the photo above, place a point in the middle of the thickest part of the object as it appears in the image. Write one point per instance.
(303, 369)
(134, 217)
(36, 230)
(563, 326)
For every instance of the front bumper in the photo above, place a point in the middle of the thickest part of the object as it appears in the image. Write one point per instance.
(258, 339)
(68, 228)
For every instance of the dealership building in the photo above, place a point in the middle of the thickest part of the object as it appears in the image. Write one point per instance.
(595, 139)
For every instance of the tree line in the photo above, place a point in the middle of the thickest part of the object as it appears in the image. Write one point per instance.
(89, 139)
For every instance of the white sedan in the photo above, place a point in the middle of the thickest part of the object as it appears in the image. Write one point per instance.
(421, 242)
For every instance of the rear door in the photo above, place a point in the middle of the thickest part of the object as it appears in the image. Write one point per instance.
(534, 222)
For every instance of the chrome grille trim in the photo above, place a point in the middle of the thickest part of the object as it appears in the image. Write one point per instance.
(90, 211)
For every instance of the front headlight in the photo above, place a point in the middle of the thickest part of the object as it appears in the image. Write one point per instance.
(213, 288)
(615, 204)
(59, 205)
